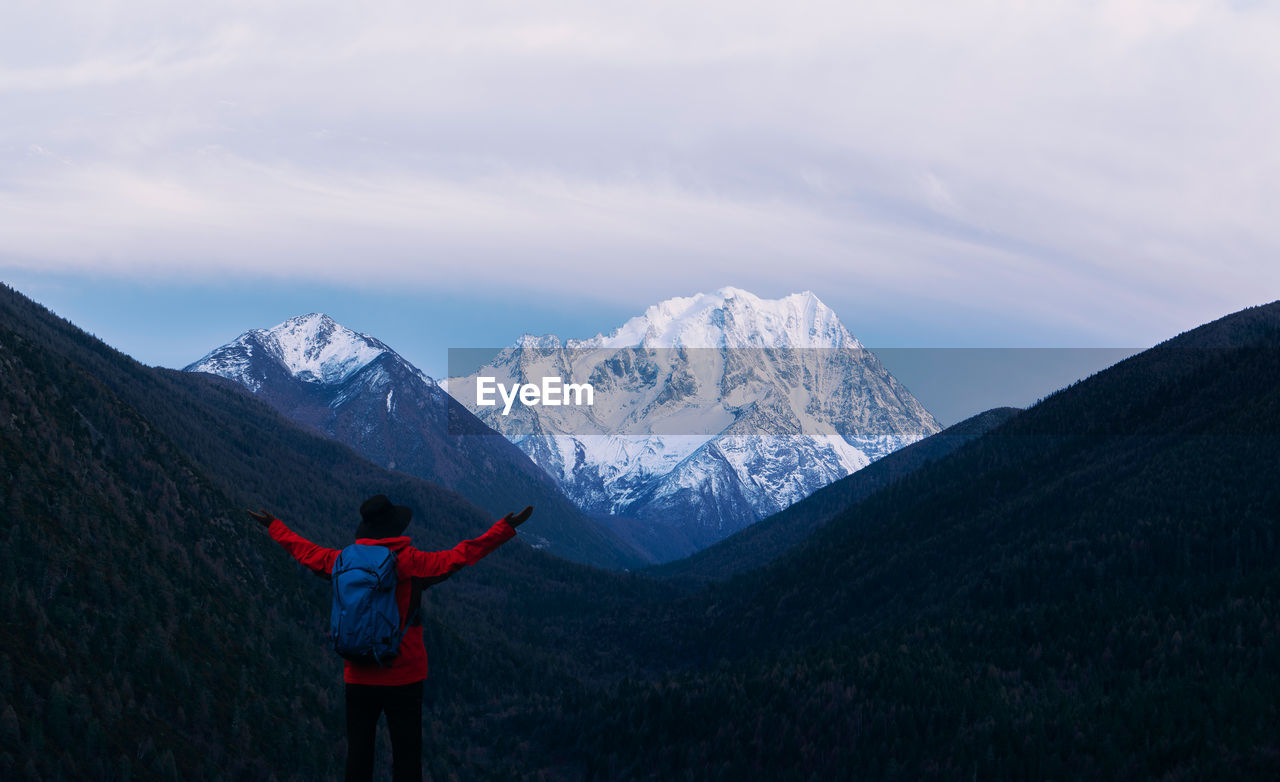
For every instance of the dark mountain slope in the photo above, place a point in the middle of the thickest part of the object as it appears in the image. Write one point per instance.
(1180, 441)
(152, 630)
(1088, 591)
(770, 538)
(131, 599)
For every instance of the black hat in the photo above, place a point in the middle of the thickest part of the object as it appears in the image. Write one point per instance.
(380, 519)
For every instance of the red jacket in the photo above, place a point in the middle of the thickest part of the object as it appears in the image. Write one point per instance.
(411, 664)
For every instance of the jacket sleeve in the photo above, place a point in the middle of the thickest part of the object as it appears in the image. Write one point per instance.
(428, 564)
(318, 558)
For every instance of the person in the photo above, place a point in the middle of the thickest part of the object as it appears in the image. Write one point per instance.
(396, 689)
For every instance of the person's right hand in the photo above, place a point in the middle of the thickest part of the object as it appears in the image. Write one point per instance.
(516, 519)
(263, 517)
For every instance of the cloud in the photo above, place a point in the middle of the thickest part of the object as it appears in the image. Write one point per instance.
(1084, 164)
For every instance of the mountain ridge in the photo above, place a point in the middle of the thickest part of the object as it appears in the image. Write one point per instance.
(1090, 593)
(359, 391)
(774, 535)
(766, 400)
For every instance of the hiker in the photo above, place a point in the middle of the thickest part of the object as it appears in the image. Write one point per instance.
(394, 685)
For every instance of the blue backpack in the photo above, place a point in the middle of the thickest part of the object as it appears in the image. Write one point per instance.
(364, 623)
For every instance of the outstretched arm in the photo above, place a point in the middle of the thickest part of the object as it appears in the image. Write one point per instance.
(318, 558)
(432, 564)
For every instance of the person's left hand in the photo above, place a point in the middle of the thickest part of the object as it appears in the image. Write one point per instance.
(263, 517)
(516, 519)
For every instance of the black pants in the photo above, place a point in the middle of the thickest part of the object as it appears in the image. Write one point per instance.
(403, 705)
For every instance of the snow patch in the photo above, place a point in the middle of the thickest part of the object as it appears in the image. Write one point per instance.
(314, 347)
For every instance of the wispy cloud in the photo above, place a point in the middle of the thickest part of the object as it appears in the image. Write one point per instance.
(1082, 164)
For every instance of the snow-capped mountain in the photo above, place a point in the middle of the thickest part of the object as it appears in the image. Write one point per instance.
(710, 412)
(358, 390)
(310, 348)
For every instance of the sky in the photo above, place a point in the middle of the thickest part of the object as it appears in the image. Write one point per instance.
(942, 174)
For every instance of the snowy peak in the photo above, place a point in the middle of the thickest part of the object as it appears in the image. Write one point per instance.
(734, 407)
(732, 318)
(313, 348)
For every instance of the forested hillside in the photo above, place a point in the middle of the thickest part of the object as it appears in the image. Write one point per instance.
(152, 631)
(1089, 591)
